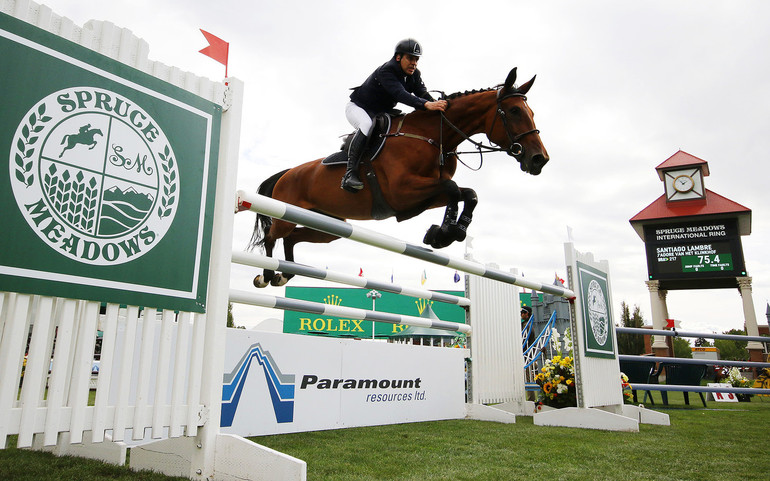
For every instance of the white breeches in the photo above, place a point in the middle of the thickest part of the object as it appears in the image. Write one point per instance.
(358, 118)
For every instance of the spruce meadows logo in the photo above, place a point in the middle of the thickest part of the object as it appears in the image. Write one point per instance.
(598, 313)
(94, 176)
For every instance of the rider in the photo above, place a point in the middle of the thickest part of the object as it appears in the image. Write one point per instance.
(397, 80)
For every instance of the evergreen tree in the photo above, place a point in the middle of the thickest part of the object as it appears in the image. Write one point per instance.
(631, 344)
(230, 320)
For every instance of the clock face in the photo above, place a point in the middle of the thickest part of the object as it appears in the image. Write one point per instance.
(684, 183)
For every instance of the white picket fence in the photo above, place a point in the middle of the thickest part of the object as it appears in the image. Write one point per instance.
(178, 398)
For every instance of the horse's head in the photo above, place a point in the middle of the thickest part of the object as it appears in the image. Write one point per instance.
(513, 127)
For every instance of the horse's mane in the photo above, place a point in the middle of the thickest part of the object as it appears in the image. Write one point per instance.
(469, 92)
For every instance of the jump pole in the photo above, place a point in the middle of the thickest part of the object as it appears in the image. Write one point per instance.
(265, 300)
(256, 260)
(281, 210)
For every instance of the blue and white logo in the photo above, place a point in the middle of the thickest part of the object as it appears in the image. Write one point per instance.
(281, 386)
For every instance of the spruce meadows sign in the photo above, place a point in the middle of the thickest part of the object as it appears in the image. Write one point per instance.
(109, 180)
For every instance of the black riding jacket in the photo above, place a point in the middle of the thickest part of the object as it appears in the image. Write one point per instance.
(389, 85)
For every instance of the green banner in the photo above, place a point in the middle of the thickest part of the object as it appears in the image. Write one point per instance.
(110, 177)
(597, 313)
(304, 323)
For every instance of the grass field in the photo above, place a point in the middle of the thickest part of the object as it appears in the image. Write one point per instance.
(726, 441)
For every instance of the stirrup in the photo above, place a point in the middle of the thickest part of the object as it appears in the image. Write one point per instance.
(351, 182)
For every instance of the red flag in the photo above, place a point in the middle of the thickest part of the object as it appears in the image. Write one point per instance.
(218, 49)
(670, 324)
(360, 272)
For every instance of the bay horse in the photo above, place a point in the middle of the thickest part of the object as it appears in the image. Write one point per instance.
(411, 174)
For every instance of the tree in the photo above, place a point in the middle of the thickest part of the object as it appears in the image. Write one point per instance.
(682, 348)
(732, 350)
(702, 342)
(230, 319)
(631, 344)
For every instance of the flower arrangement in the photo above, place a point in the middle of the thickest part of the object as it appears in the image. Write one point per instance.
(627, 391)
(460, 341)
(557, 377)
(736, 379)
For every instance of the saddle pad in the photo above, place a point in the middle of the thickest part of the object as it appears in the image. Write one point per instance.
(336, 158)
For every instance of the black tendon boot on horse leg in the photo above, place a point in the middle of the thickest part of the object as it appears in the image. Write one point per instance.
(351, 181)
(470, 200)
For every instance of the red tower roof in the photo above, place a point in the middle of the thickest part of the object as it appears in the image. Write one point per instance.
(682, 159)
(714, 204)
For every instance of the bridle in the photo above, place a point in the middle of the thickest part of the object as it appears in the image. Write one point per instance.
(515, 149)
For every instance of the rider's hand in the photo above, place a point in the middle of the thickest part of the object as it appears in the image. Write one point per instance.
(436, 105)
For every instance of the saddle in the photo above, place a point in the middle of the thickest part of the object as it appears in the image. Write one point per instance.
(374, 144)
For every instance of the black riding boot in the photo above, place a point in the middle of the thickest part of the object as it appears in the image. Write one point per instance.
(351, 181)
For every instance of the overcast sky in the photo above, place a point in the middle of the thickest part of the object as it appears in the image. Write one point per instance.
(621, 86)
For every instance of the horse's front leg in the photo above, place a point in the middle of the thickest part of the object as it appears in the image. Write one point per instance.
(459, 229)
(441, 236)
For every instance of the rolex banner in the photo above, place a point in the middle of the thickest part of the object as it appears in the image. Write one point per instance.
(303, 323)
(107, 177)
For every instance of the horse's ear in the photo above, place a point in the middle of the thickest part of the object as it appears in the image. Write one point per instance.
(510, 79)
(525, 88)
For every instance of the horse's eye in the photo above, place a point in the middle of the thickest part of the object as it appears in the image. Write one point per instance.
(515, 110)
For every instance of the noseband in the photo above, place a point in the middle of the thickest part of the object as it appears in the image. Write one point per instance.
(515, 149)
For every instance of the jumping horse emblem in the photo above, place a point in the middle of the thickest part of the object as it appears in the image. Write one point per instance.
(414, 171)
(85, 136)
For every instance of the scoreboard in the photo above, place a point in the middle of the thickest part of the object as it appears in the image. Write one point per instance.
(694, 250)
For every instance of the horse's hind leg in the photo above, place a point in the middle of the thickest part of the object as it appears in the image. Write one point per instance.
(300, 234)
(267, 275)
(277, 229)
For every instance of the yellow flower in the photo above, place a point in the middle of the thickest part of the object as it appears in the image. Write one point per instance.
(547, 387)
(569, 382)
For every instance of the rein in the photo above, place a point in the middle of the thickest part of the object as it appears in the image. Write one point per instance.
(514, 150)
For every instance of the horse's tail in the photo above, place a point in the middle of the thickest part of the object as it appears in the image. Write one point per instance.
(263, 222)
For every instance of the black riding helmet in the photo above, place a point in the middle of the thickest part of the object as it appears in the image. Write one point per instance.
(410, 46)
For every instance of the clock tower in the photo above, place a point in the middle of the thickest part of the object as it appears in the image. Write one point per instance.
(682, 175)
(692, 238)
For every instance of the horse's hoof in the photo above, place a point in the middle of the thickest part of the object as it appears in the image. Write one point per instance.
(458, 233)
(279, 280)
(430, 236)
(259, 283)
(443, 242)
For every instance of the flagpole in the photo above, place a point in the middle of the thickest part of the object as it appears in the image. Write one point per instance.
(374, 295)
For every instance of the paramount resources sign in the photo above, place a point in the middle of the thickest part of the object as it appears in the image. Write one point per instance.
(107, 177)
(278, 383)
